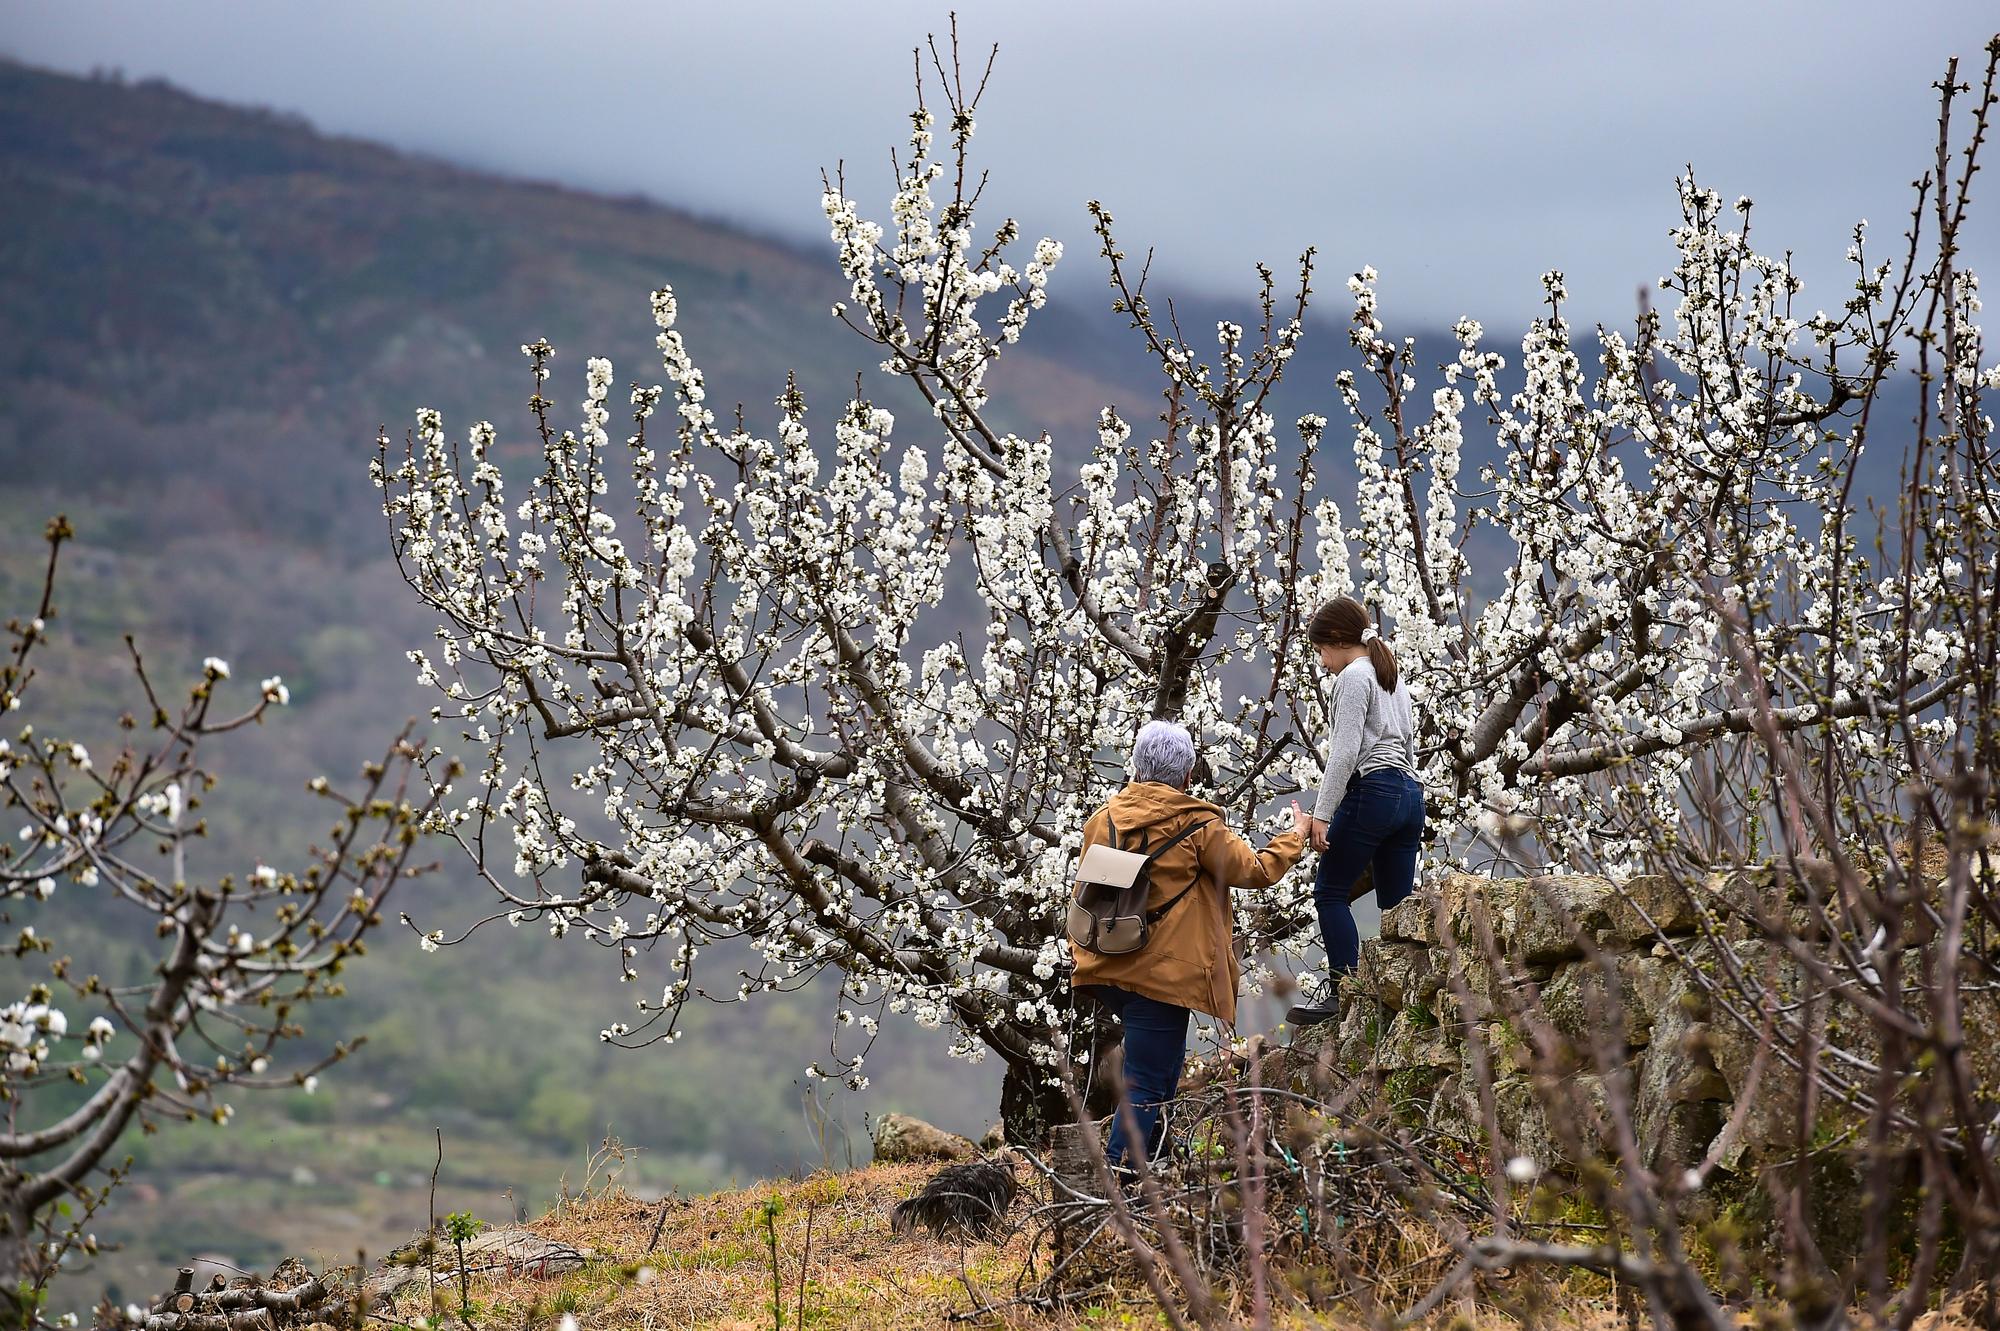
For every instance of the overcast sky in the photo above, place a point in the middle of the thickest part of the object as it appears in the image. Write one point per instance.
(1461, 148)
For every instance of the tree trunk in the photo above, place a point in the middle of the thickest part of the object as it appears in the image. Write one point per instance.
(17, 1252)
(1031, 1108)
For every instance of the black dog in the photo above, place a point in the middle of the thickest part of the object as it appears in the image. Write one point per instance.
(964, 1200)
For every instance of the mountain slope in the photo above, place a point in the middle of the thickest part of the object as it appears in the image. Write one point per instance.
(209, 313)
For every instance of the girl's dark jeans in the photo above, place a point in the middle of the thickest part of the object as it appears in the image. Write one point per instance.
(1155, 1049)
(1379, 825)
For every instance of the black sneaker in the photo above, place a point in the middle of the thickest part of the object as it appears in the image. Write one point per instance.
(1317, 1005)
(1311, 1014)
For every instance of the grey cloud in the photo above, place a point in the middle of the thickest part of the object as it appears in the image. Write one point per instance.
(1459, 148)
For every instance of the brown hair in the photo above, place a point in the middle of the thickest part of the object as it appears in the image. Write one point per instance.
(1342, 622)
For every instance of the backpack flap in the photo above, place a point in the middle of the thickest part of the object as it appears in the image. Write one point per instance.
(1111, 866)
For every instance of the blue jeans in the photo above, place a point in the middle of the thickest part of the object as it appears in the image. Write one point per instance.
(1379, 825)
(1155, 1049)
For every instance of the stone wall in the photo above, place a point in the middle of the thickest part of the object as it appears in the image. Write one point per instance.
(1682, 1059)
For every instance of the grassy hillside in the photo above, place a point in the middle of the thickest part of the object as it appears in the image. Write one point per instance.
(708, 1262)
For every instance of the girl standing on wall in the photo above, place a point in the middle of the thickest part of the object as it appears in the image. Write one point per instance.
(1370, 813)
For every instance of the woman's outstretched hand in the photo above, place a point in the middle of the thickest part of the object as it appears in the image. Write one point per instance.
(1309, 827)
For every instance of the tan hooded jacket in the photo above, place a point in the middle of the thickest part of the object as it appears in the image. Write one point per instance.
(1190, 958)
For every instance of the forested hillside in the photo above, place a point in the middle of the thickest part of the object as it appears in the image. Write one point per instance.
(209, 313)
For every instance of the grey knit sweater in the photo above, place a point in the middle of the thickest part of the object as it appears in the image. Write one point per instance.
(1370, 728)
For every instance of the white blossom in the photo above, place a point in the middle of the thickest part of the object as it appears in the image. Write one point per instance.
(846, 686)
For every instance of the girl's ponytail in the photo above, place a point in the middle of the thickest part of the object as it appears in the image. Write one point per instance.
(1343, 622)
(1384, 659)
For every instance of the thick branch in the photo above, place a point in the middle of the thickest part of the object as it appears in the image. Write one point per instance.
(166, 1013)
(1072, 575)
(21, 1145)
(1182, 645)
(1734, 721)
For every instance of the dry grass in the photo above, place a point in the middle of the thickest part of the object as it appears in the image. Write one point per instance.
(711, 1268)
(712, 1265)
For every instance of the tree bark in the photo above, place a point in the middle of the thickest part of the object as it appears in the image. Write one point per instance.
(1030, 1109)
(16, 1253)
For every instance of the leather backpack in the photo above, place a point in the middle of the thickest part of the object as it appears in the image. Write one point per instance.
(1107, 911)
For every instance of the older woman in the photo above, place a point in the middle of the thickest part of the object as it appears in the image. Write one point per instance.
(1189, 962)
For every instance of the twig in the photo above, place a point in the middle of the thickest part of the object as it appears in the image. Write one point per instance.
(660, 1225)
(805, 1264)
(430, 1234)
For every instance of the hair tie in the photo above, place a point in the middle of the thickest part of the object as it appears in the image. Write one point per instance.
(1369, 635)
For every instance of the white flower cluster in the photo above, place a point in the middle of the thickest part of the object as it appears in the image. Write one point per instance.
(29, 1028)
(1685, 503)
(167, 802)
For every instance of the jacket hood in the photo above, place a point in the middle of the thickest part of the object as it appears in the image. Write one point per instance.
(1146, 805)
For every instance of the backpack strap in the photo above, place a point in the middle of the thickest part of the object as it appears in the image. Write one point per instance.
(1158, 913)
(1175, 840)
